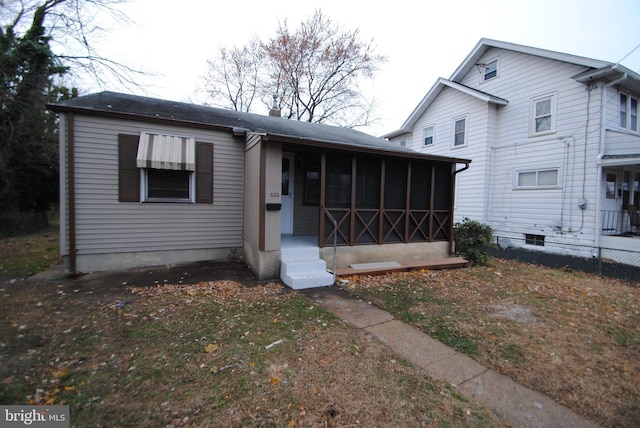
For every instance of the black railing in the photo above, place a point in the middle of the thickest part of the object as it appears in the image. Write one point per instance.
(617, 223)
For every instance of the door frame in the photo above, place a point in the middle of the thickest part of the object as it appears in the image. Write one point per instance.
(287, 200)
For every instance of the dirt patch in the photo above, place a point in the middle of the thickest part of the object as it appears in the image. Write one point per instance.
(517, 313)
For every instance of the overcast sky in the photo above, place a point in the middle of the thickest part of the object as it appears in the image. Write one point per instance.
(423, 40)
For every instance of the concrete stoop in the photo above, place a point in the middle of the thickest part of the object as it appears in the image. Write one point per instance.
(301, 266)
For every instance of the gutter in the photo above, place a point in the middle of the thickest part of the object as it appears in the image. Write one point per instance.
(453, 200)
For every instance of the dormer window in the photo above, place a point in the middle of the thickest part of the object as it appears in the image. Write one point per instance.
(490, 70)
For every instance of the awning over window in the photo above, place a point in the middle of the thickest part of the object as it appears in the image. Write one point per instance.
(160, 151)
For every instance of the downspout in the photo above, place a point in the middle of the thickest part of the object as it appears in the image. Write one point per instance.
(601, 150)
(72, 192)
(453, 200)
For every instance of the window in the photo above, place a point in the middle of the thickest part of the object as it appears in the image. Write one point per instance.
(167, 185)
(628, 112)
(537, 179)
(530, 239)
(403, 143)
(623, 110)
(428, 135)
(490, 70)
(460, 132)
(543, 115)
(164, 168)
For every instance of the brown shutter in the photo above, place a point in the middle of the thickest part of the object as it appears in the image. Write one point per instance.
(128, 172)
(204, 173)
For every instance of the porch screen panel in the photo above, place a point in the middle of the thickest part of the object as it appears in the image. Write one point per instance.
(442, 217)
(338, 197)
(395, 199)
(420, 203)
(367, 200)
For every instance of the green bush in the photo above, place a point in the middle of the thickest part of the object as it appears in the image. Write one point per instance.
(472, 240)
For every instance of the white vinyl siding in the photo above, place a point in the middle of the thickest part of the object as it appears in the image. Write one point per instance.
(106, 226)
(471, 184)
(501, 143)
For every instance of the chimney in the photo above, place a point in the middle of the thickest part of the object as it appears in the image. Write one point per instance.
(275, 111)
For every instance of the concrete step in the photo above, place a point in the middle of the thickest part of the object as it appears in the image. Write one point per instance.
(300, 253)
(304, 280)
(299, 266)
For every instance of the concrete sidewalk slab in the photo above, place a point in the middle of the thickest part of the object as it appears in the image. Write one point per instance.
(410, 343)
(517, 405)
(355, 312)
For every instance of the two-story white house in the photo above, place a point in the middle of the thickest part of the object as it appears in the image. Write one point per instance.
(554, 142)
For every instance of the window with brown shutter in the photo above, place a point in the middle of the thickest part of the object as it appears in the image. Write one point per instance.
(204, 173)
(163, 185)
(128, 172)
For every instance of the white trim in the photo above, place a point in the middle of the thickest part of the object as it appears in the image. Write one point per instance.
(536, 186)
(628, 113)
(483, 72)
(553, 97)
(144, 189)
(464, 117)
(433, 135)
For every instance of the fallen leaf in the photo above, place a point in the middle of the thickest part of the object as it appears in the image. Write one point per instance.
(61, 373)
(274, 381)
(212, 347)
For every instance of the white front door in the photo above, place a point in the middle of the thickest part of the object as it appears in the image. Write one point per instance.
(286, 213)
(611, 192)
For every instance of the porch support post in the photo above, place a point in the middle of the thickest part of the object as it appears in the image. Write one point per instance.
(352, 227)
(323, 187)
(407, 204)
(432, 196)
(383, 167)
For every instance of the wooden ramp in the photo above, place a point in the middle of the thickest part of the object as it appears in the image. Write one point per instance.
(382, 268)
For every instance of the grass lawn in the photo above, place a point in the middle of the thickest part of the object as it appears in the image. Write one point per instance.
(572, 336)
(222, 353)
(208, 354)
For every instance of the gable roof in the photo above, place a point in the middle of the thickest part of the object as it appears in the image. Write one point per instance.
(133, 107)
(485, 44)
(433, 93)
(470, 62)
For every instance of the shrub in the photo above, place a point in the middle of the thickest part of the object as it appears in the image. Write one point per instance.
(472, 239)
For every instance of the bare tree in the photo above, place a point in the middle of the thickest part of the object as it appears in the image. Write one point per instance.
(232, 77)
(32, 74)
(314, 71)
(73, 29)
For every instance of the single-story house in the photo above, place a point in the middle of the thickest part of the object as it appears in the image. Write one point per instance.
(148, 182)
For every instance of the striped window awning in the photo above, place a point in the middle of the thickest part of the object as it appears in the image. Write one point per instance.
(160, 151)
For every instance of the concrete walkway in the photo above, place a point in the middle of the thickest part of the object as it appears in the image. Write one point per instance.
(515, 404)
